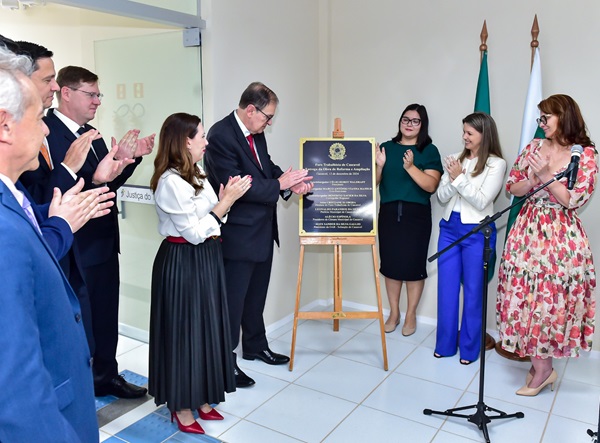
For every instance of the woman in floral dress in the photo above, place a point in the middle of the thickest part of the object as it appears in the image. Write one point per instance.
(547, 278)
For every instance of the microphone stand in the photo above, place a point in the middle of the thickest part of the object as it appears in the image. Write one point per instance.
(593, 434)
(479, 418)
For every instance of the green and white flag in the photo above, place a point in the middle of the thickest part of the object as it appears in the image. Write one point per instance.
(529, 127)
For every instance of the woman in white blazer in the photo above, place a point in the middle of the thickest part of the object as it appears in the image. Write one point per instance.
(471, 182)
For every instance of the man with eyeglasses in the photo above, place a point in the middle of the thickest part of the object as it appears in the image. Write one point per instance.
(40, 183)
(237, 146)
(45, 371)
(78, 100)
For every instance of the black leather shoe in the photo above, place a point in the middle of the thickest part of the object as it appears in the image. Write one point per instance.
(120, 388)
(268, 356)
(241, 379)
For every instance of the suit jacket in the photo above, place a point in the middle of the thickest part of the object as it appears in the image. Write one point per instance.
(45, 373)
(477, 194)
(98, 240)
(56, 230)
(252, 221)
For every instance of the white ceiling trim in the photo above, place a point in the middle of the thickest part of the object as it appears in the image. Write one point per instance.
(140, 11)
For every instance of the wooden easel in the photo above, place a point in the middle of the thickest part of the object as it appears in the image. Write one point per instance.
(338, 314)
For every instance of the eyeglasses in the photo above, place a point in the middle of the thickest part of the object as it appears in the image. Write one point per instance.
(543, 119)
(410, 121)
(91, 95)
(268, 117)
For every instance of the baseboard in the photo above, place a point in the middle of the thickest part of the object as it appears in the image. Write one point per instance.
(324, 304)
(135, 333)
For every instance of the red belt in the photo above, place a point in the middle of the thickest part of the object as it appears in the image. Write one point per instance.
(176, 240)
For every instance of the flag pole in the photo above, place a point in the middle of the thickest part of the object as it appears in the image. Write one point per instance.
(490, 343)
(483, 36)
(535, 31)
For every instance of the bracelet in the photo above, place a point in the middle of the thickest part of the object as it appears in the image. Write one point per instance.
(216, 217)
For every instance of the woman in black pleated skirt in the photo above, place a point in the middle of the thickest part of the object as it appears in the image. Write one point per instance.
(191, 365)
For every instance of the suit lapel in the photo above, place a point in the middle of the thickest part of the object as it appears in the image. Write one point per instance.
(10, 201)
(260, 143)
(58, 130)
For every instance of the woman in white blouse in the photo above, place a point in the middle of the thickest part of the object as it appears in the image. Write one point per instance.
(191, 364)
(471, 182)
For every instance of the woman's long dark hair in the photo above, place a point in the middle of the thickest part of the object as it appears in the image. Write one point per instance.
(173, 153)
(423, 139)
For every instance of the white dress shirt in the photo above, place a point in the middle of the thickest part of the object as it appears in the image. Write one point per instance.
(181, 213)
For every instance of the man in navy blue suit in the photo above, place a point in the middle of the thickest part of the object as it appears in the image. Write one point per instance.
(237, 146)
(98, 241)
(62, 175)
(45, 373)
(75, 151)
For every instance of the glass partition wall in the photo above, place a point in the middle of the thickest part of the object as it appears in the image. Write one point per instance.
(144, 79)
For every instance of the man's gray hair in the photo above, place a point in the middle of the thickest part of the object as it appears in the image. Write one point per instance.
(11, 91)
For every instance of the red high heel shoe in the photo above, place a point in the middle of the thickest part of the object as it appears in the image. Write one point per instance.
(194, 428)
(212, 415)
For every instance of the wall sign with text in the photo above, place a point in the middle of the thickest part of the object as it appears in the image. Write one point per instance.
(343, 199)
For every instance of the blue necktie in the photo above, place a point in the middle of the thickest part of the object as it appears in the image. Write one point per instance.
(29, 211)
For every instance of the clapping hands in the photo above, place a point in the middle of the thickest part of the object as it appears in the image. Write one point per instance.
(235, 188)
(297, 181)
(453, 167)
(78, 207)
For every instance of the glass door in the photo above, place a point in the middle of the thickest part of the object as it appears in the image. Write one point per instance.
(144, 80)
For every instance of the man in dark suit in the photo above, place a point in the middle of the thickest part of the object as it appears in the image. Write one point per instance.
(47, 176)
(98, 241)
(237, 146)
(45, 372)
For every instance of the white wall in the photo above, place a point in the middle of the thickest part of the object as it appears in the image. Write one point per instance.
(276, 42)
(364, 61)
(386, 54)
(70, 32)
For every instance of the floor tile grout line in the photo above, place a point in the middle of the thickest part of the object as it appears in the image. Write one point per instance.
(415, 346)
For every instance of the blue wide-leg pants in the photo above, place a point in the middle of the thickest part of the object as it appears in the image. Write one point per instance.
(463, 263)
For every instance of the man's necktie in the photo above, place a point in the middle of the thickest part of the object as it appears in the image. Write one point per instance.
(46, 155)
(30, 215)
(250, 139)
(82, 130)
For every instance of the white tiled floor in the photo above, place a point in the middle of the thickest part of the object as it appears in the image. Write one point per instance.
(339, 392)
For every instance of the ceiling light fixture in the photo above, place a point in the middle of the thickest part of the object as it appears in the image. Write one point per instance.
(15, 4)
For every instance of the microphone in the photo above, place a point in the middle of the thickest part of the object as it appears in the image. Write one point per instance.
(573, 167)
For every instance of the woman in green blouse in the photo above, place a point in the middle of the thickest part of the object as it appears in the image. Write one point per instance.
(408, 172)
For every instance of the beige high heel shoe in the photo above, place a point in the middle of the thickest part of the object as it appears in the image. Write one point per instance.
(532, 392)
(528, 378)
